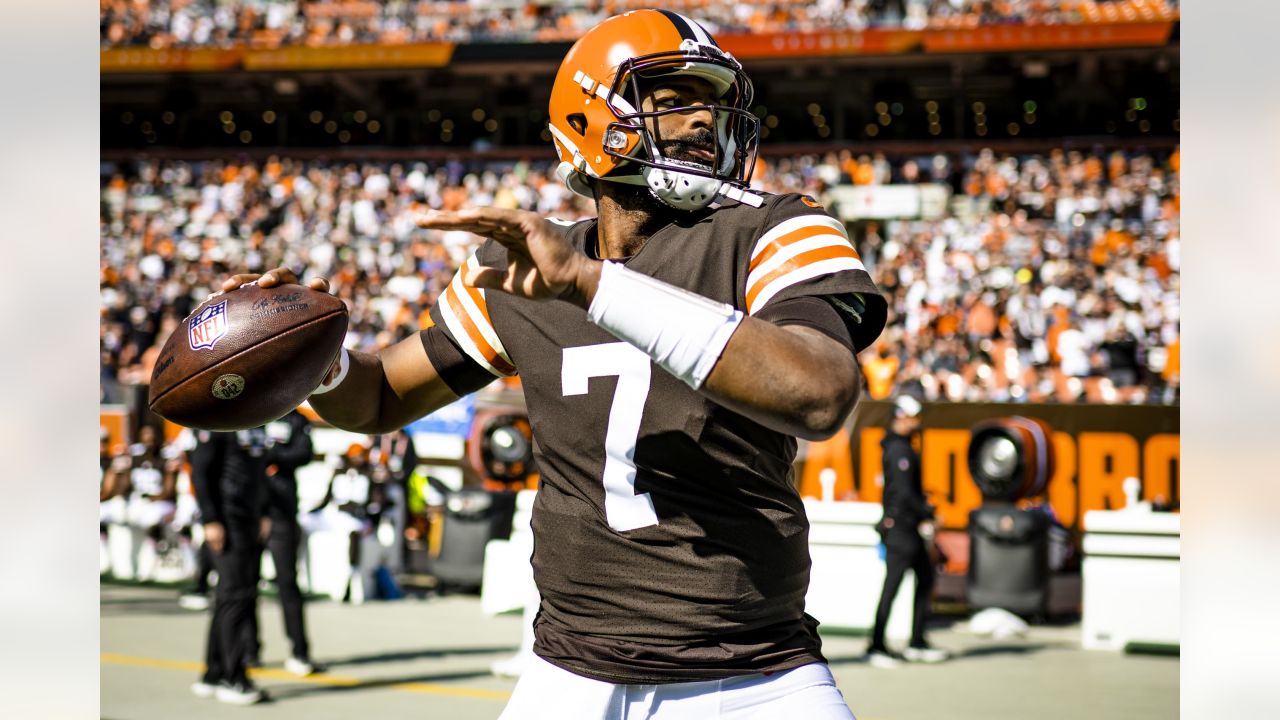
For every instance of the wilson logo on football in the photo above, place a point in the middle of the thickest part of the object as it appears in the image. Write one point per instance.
(207, 328)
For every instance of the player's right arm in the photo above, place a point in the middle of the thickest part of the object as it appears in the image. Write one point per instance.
(385, 391)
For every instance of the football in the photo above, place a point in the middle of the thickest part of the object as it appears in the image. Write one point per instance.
(247, 357)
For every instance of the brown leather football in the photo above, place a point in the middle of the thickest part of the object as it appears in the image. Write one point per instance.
(247, 357)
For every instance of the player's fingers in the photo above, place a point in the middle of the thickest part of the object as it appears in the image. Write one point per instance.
(236, 281)
(319, 284)
(278, 276)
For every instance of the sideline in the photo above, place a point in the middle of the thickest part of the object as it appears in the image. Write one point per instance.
(318, 679)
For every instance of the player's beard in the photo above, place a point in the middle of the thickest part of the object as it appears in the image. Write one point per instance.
(680, 149)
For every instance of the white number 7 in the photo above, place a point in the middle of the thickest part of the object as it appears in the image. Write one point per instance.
(624, 509)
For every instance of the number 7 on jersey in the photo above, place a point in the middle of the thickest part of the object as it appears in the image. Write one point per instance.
(624, 509)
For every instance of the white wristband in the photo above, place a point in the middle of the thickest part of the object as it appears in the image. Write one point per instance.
(683, 332)
(344, 364)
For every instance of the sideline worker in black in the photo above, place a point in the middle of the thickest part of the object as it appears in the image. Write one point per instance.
(907, 533)
(229, 471)
(288, 448)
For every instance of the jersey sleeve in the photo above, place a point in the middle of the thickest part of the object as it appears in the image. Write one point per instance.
(463, 314)
(804, 251)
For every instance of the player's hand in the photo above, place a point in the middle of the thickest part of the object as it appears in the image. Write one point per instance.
(271, 278)
(264, 529)
(215, 536)
(541, 264)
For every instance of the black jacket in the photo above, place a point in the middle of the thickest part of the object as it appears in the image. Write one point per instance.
(904, 499)
(288, 448)
(229, 472)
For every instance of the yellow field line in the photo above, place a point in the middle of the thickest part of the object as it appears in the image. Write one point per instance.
(321, 679)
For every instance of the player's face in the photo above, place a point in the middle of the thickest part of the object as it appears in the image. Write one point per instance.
(688, 135)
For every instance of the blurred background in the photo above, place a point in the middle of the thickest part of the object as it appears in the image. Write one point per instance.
(1008, 170)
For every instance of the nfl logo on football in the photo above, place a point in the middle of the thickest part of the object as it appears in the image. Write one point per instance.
(208, 327)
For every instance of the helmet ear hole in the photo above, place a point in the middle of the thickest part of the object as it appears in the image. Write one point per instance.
(578, 122)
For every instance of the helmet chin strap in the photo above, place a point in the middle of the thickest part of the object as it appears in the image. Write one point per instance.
(680, 190)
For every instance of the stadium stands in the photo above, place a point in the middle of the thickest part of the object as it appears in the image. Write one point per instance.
(274, 23)
(1051, 277)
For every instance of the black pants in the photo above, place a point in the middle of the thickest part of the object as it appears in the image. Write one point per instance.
(283, 544)
(234, 605)
(204, 566)
(901, 554)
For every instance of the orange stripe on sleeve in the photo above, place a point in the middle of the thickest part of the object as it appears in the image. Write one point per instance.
(473, 332)
(791, 237)
(797, 262)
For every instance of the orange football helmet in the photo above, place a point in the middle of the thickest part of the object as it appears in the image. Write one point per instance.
(599, 130)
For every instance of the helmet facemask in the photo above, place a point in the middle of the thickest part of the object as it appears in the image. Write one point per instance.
(680, 183)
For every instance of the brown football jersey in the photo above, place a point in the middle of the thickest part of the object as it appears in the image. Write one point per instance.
(670, 543)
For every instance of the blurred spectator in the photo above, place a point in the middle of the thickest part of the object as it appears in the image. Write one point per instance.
(354, 504)
(107, 505)
(395, 451)
(139, 489)
(881, 371)
(344, 505)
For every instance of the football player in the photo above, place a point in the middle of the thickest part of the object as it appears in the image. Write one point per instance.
(672, 350)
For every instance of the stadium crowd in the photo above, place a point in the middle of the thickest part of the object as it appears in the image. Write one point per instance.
(272, 23)
(1049, 277)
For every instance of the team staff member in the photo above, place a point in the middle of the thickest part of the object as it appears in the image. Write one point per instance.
(671, 351)
(229, 472)
(907, 531)
(288, 448)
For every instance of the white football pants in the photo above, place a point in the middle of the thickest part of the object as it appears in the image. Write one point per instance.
(807, 692)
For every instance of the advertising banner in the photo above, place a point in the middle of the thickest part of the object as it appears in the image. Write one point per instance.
(1096, 448)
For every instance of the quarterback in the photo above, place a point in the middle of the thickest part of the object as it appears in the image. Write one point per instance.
(672, 350)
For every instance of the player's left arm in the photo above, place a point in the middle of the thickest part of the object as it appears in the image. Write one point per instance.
(810, 305)
(789, 378)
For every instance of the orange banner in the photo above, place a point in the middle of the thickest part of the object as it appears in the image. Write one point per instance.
(350, 57)
(1004, 38)
(835, 42)
(143, 60)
